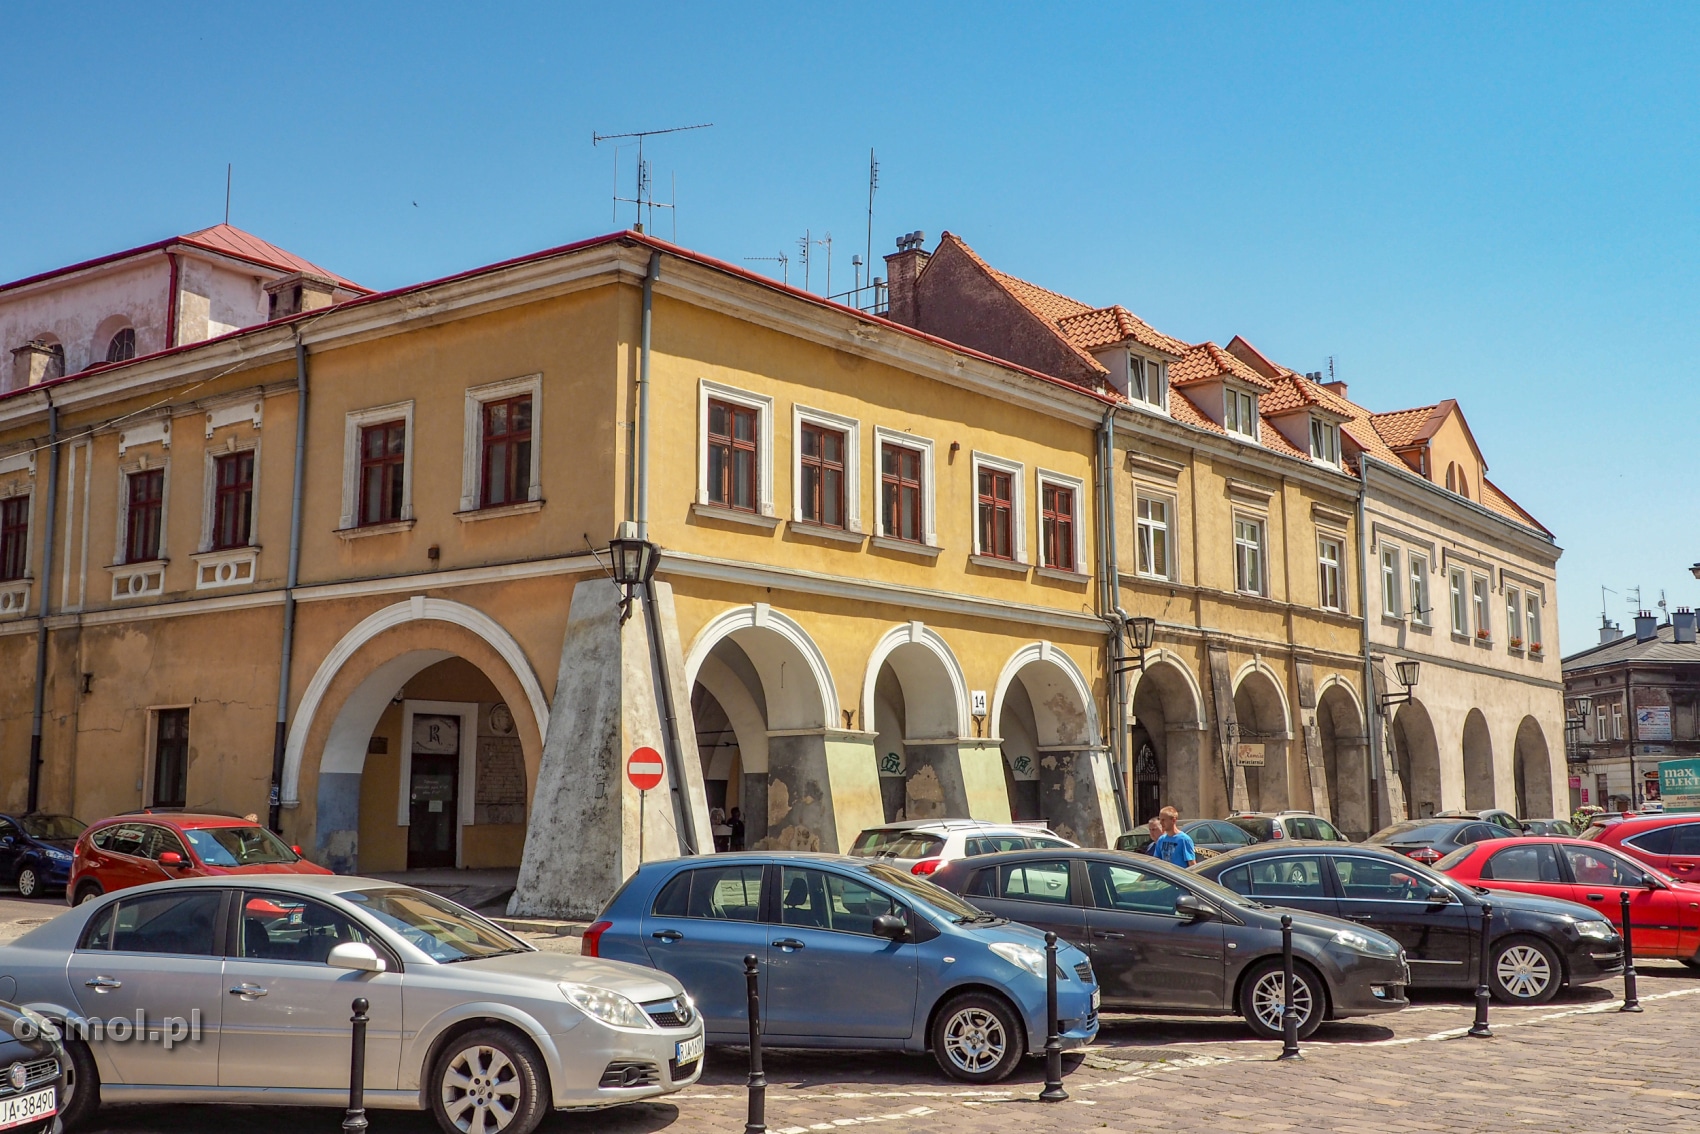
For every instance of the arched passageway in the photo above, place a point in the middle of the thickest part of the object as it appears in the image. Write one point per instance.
(1532, 772)
(1345, 759)
(1053, 762)
(1262, 733)
(915, 701)
(1416, 754)
(1167, 740)
(1478, 763)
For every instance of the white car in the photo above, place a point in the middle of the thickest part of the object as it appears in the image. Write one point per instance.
(924, 845)
(240, 989)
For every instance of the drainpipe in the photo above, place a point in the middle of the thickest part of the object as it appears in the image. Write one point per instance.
(1372, 708)
(1112, 612)
(46, 587)
(171, 304)
(287, 653)
(649, 279)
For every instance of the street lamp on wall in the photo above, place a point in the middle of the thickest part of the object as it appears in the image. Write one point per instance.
(1140, 633)
(633, 563)
(1406, 671)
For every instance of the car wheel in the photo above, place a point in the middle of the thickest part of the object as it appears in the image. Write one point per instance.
(29, 883)
(489, 1081)
(88, 891)
(978, 1038)
(1263, 996)
(1525, 971)
(1693, 963)
(82, 1096)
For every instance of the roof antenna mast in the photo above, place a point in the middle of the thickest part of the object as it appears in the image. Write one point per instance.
(644, 196)
(228, 166)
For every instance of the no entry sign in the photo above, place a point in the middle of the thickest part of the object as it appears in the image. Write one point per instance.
(644, 769)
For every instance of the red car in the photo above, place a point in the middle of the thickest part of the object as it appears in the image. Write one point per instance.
(1664, 911)
(132, 850)
(1669, 843)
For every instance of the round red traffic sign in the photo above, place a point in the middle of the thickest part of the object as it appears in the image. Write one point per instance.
(645, 769)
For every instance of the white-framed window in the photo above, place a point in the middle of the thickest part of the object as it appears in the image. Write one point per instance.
(144, 500)
(1324, 441)
(501, 462)
(1513, 618)
(1062, 537)
(1617, 720)
(1390, 581)
(735, 449)
(1148, 381)
(377, 467)
(1249, 576)
(905, 464)
(1239, 412)
(1153, 518)
(230, 494)
(1484, 612)
(826, 485)
(1460, 604)
(1600, 723)
(1000, 508)
(1418, 566)
(1331, 595)
(1532, 612)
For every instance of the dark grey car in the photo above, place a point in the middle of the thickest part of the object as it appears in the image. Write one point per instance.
(1165, 940)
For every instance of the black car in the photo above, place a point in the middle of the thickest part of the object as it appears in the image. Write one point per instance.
(1267, 826)
(1498, 816)
(1166, 941)
(1538, 944)
(36, 1080)
(1430, 840)
(35, 851)
(1209, 836)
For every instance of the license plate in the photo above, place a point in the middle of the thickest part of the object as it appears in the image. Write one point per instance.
(26, 1108)
(687, 1051)
(1096, 999)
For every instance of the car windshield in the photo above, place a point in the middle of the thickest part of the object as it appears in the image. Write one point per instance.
(1259, 829)
(1594, 831)
(1413, 831)
(53, 828)
(889, 843)
(435, 926)
(239, 846)
(1455, 858)
(930, 892)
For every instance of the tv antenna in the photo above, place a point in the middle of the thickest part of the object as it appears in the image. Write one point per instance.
(873, 184)
(228, 167)
(644, 196)
(1604, 591)
(805, 246)
(782, 260)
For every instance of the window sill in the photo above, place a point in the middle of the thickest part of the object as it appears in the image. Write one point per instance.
(1461, 638)
(1062, 576)
(376, 529)
(497, 511)
(1421, 627)
(226, 567)
(1014, 567)
(1392, 620)
(1484, 643)
(907, 547)
(138, 580)
(822, 531)
(15, 597)
(734, 516)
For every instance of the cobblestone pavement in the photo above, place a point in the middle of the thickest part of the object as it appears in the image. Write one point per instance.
(1576, 1064)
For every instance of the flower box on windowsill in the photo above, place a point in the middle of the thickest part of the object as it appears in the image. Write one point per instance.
(1535, 649)
(1516, 643)
(1483, 636)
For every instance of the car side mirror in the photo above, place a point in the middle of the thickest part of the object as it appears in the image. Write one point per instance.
(172, 860)
(1651, 883)
(892, 926)
(1188, 906)
(1440, 895)
(355, 955)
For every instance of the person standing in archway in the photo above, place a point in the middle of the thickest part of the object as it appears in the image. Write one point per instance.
(1175, 846)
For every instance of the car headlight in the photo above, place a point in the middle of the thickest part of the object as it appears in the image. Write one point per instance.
(609, 1007)
(58, 855)
(1365, 944)
(1021, 956)
(1598, 930)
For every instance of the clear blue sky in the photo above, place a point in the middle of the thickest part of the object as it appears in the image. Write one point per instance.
(1494, 203)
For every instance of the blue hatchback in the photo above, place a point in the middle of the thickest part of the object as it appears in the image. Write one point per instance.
(35, 851)
(855, 954)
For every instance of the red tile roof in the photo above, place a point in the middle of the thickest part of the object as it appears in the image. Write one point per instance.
(229, 240)
(1206, 361)
(1497, 501)
(1093, 330)
(1403, 428)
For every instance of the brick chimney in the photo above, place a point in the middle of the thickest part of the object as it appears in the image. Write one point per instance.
(1646, 626)
(35, 362)
(298, 292)
(901, 269)
(1336, 388)
(1683, 624)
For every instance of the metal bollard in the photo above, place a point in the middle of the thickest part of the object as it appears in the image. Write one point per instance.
(756, 1121)
(1289, 1010)
(1480, 1028)
(354, 1118)
(1631, 1002)
(1053, 1091)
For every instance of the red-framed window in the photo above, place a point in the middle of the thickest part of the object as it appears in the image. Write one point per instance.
(822, 462)
(146, 510)
(997, 514)
(383, 467)
(14, 537)
(233, 501)
(733, 462)
(507, 451)
(1057, 516)
(900, 492)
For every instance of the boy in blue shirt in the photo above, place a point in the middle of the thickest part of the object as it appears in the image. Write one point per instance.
(1176, 845)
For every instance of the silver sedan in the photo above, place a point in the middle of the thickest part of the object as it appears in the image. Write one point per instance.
(214, 990)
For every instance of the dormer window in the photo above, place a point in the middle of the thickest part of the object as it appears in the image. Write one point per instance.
(1147, 382)
(1239, 412)
(1324, 441)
